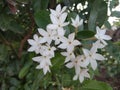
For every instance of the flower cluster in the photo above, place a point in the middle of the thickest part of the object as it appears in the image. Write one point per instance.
(53, 38)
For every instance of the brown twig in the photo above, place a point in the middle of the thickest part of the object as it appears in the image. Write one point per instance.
(26, 36)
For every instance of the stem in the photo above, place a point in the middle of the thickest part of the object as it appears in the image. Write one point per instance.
(23, 41)
(76, 30)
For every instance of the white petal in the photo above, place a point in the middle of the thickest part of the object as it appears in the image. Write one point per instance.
(31, 42)
(70, 48)
(104, 42)
(38, 67)
(63, 9)
(64, 24)
(43, 40)
(35, 37)
(86, 52)
(31, 49)
(77, 69)
(76, 42)
(42, 32)
(98, 57)
(54, 19)
(37, 59)
(69, 65)
(63, 17)
(93, 64)
(61, 31)
(106, 37)
(58, 8)
(71, 36)
(52, 26)
(75, 77)
(53, 12)
(62, 46)
(67, 59)
(81, 79)
(64, 53)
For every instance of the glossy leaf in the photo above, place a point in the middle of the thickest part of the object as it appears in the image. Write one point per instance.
(42, 18)
(98, 14)
(85, 34)
(115, 14)
(95, 85)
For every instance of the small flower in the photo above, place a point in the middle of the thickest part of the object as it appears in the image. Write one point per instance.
(98, 45)
(100, 35)
(47, 35)
(69, 56)
(35, 44)
(79, 61)
(69, 43)
(47, 50)
(58, 23)
(77, 22)
(58, 36)
(92, 56)
(44, 63)
(81, 75)
(58, 10)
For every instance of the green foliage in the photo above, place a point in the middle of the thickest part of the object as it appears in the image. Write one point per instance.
(116, 14)
(99, 9)
(19, 73)
(85, 34)
(95, 85)
(42, 18)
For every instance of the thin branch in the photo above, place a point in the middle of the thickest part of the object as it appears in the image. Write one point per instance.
(28, 34)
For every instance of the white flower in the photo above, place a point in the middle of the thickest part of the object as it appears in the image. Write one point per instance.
(58, 10)
(100, 35)
(35, 44)
(59, 36)
(77, 22)
(98, 44)
(79, 61)
(92, 56)
(69, 43)
(47, 50)
(69, 56)
(47, 35)
(58, 23)
(44, 63)
(81, 75)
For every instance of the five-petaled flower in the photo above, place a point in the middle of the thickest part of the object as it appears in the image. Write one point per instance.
(69, 43)
(100, 35)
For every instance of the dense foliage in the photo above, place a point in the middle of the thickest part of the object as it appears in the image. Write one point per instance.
(20, 19)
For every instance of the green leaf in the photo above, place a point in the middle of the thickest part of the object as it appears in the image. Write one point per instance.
(116, 14)
(42, 18)
(14, 81)
(85, 34)
(107, 24)
(96, 85)
(57, 62)
(25, 69)
(40, 5)
(98, 14)
(66, 80)
(16, 28)
(36, 83)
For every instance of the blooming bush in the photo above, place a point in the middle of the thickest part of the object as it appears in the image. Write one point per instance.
(54, 39)
(67, 49)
